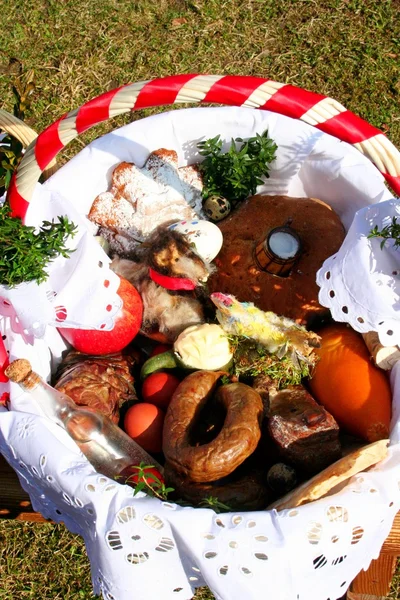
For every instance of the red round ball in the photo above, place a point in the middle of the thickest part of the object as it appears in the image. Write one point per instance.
(126, 326)
(158, 388)
(144, 422)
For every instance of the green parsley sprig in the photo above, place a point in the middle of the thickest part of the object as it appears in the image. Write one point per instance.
(235, 174)
(389, 232)
(25, 252)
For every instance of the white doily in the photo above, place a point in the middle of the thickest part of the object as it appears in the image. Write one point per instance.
(144, 549)
(360, 284)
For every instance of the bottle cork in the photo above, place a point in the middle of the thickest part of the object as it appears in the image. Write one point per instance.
(20, 371)
(383, 356)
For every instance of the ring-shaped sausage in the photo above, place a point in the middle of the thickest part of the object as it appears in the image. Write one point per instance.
(237, 439)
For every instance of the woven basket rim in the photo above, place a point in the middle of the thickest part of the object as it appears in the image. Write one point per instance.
(19, 130)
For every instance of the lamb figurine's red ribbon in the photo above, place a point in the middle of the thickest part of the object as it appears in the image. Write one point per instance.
(171, 283)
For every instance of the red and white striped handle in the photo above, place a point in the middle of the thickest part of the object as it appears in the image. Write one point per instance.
(322, 112)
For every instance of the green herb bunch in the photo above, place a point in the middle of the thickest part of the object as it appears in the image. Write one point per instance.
(390, 232)
(251, 359)
(26, 252)
(235, 174)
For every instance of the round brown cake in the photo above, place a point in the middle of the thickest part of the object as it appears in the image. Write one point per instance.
(321, 234)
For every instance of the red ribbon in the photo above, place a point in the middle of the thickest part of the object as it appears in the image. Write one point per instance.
(171, 283)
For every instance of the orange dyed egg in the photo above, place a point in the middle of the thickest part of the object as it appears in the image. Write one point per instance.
(158, 388)
(350, 386)
(144, 422)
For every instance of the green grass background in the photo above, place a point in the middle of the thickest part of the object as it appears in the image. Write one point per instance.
(347, 49)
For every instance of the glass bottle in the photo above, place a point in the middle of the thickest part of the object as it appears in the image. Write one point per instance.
(109, 449)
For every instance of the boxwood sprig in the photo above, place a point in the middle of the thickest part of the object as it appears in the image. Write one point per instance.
(236, 173)
(388, 232)
(25, 252)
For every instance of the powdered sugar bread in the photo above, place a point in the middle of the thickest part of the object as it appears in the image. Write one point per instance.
(141, 199)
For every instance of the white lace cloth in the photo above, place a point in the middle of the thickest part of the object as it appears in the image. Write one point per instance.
(140, 547)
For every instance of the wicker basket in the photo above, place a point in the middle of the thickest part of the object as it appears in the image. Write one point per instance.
(186, 548)
(24, 134)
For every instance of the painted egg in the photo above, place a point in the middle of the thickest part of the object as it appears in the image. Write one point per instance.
(204, 235)
(217, 208)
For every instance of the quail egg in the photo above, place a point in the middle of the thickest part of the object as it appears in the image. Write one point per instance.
(217, 208)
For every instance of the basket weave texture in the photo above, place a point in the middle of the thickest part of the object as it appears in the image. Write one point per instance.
(24, 134)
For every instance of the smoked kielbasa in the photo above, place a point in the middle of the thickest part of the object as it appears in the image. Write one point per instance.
(237, 439)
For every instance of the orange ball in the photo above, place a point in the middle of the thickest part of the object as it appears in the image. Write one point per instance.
(350, 386)
(144, 422)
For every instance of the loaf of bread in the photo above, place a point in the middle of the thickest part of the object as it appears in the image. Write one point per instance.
(321, 234)
(141, 199)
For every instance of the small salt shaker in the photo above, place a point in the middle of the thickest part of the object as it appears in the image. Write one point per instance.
(279, 251)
